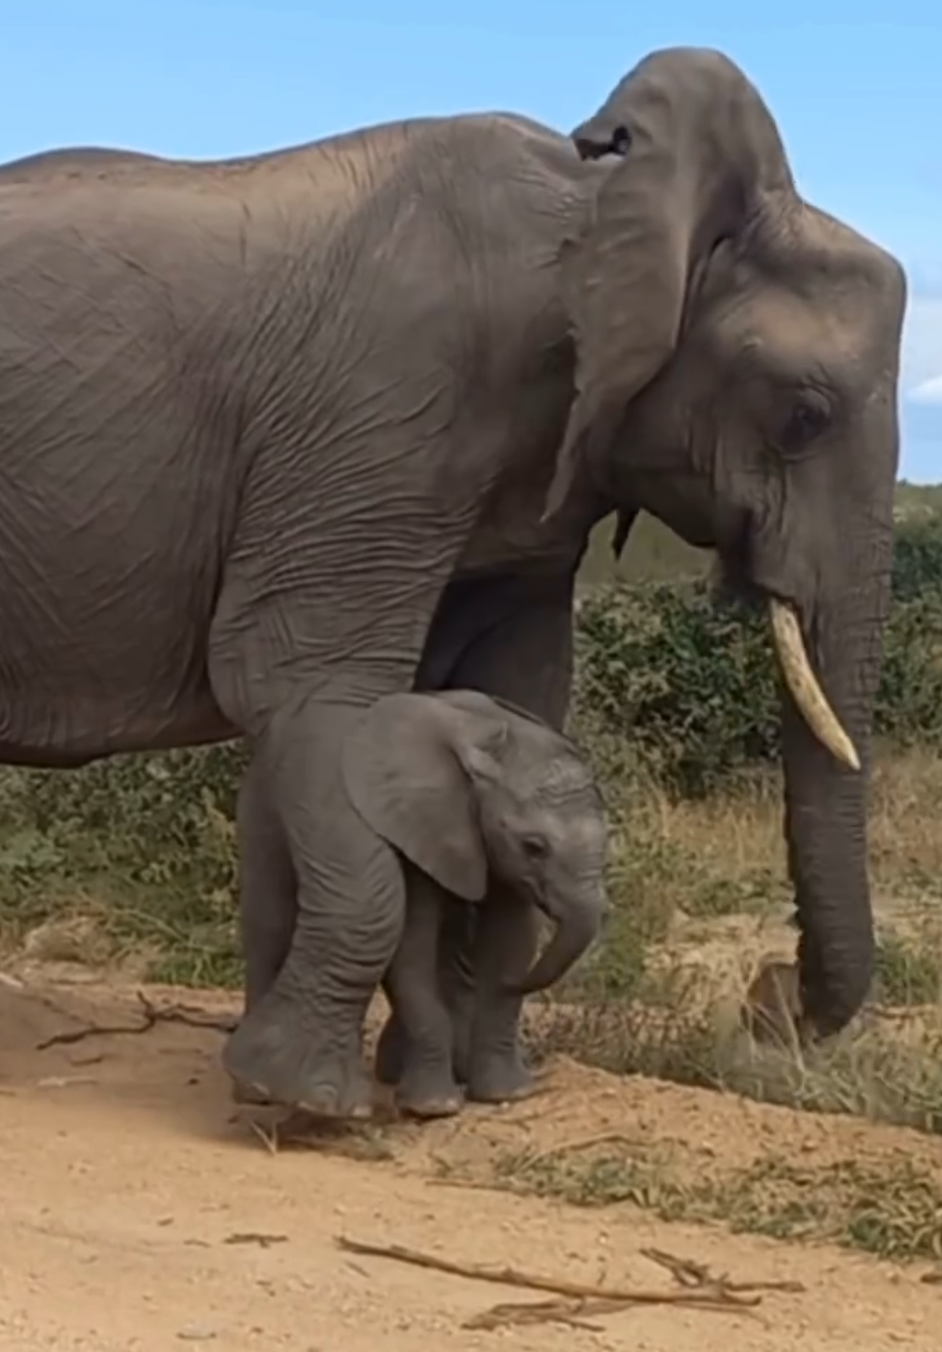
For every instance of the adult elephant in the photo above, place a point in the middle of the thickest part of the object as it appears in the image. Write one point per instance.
(272, 429)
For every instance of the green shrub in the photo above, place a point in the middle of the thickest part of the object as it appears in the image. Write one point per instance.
(909, 705)
(917, 557)
(142, 845)
(690, 683)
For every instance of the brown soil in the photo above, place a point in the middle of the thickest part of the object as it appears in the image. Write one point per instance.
(139, 1214)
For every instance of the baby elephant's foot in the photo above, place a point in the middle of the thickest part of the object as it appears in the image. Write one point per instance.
(500, 1077)
(428, 1093)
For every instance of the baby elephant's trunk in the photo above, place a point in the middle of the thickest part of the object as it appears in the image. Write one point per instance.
(577, 925)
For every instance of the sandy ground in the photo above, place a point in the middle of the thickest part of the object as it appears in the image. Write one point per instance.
(136, 1215)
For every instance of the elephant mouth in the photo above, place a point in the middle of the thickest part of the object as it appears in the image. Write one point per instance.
(804, 686)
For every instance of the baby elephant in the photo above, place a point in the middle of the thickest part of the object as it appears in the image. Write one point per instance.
(481, 800)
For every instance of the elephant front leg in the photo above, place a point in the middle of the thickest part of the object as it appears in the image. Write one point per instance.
(505, 944)
(456, 990)
(301, 1043)
(425, 1083)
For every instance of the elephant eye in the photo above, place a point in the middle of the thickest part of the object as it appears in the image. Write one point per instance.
(535, 847)
(808, 417)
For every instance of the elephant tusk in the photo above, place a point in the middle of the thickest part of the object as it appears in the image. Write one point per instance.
(803, 684)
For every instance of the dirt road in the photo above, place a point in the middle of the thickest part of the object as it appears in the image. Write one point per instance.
(136, 1216)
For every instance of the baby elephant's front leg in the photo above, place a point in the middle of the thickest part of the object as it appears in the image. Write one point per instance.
(505, 946)
(427, 1085)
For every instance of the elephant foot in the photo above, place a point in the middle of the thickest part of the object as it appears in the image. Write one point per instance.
(500, 1078)
(272, 1057)
(429, 1092)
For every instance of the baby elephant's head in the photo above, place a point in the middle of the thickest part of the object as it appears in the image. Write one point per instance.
(465, 786)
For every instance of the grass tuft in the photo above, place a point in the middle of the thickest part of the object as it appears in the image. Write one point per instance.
(892, 1212)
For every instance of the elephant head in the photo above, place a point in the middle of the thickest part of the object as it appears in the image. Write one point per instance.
(462, 785)
(737, 355)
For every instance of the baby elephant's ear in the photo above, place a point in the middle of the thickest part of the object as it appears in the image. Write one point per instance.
(404, 779)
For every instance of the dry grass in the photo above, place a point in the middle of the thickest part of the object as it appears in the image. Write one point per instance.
(737, 839)
(892, 1209)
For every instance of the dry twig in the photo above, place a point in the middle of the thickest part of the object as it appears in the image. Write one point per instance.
(152, 1015)
(687, 1272)
(264, 1241)
(573, 1300)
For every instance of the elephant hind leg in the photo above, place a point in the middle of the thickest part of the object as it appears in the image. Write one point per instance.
(268, 895)
(268, 886)
(389, 1056)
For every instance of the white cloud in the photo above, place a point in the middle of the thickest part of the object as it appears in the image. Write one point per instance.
(922, 350)
(928, 392)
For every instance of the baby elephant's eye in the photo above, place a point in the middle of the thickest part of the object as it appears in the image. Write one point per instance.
(535, 847)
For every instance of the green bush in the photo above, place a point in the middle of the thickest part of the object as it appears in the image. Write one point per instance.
(690, 683)
(909, 705)
(917, 557)
(142, 845)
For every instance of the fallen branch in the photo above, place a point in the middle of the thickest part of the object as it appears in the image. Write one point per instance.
(537, 1312)
(687, 1272)
(151, 1016)
(574, 1300)
(264, 1241)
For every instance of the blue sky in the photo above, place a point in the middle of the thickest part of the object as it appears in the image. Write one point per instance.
(855, 86)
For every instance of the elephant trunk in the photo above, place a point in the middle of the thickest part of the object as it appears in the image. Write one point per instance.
(577, 925)
(826, 798)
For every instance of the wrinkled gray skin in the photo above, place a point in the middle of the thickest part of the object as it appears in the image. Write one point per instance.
(482, 802)
(284, 435)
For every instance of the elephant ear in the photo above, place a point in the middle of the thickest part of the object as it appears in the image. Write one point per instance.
(415, 786)
(699, 152)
